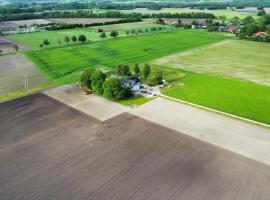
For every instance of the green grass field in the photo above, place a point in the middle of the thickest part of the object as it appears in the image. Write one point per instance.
(238, 59)
(233, 96)
(37, 38)
(63, 65)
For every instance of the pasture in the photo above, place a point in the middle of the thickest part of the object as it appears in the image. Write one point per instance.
(63, 65)
(242, 98)
(37, 38)
(238, 59)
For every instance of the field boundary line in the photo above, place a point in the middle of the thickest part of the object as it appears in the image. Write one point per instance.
(216, 111)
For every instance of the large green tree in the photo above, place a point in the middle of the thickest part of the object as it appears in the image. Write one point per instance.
(98, 78)
(114, 89)
(85, 79)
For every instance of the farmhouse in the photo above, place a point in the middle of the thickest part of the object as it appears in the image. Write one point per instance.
(260, 33)
(133, 82)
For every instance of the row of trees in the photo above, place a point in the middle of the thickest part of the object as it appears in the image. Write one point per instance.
(113, 34)
(146, 30)
(150, 78)
(97, 82)
(67, 39)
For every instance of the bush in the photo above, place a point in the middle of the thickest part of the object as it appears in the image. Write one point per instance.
(97, 78)
(100, 30)
(114, 89)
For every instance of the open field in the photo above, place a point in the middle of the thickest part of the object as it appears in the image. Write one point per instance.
(6, 45)
(63, 65)
(228, 13)
(242, 98)
(18, 74)
(232, 58)
(36, 38)
(83, 20)
(64, 154)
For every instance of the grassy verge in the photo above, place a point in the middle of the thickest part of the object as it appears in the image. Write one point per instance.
(134, 101)
(245, 99)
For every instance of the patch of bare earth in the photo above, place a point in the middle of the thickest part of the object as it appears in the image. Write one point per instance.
(17, 73)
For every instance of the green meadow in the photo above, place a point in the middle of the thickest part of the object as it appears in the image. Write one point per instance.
(64, 65)
(242, 98)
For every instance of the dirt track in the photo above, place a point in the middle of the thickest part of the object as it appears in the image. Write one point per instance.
(51, 151)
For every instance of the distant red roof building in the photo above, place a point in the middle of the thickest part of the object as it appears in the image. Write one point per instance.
(260, 33)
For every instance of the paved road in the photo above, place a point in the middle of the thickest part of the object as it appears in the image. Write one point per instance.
(51, 151)
(243, 138)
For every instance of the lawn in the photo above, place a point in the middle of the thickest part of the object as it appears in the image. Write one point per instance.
(242, 98)
(63, 65)
(238, 59)
(37, 38)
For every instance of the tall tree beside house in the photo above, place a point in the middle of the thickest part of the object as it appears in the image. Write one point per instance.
(66, 39)
(136, 69)
(97, 78)
(114, 89)
(146, 70)
(125, 70)
(82, 38)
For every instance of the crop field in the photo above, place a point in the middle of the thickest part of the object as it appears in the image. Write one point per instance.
(36, 38)
(223, 12)
(63, 65)
(231, 58)
(83, 20)
(242, 98)
(18, 75)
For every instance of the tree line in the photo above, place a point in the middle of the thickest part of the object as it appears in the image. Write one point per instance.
(108, 14)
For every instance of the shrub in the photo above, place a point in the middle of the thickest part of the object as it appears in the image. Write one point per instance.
(136, 69)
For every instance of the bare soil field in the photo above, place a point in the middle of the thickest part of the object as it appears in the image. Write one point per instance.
(84, 20)
(51, 151)
(9, 25)
(17, 73)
